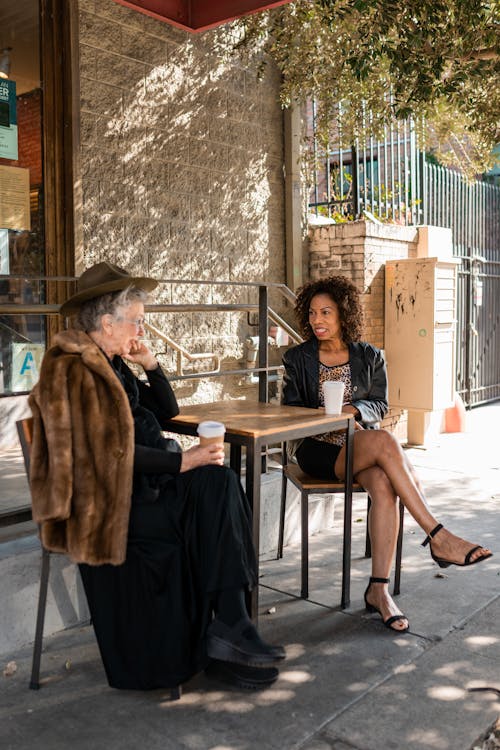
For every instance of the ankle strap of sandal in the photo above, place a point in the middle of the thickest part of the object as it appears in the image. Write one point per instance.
(379, 580)
(432, 534)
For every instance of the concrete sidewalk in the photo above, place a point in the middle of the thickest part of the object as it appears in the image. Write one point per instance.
(347, 682)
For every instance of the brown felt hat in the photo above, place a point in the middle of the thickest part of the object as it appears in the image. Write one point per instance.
(103, 278)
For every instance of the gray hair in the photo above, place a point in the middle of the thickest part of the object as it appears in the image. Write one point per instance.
(91, 312)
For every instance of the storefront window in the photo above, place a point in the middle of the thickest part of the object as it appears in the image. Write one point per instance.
(22, 247)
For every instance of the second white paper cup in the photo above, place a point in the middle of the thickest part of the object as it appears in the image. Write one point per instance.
(333, 394)
(211, 432)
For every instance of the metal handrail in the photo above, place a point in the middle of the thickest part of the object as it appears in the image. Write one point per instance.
(182, 352)
(199, 282)
(265, 314)
(283, 324)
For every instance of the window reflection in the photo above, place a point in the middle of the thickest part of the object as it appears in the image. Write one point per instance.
(22, 246)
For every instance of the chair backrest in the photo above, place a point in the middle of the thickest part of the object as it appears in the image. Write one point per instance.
(20, 514)
(25, 432)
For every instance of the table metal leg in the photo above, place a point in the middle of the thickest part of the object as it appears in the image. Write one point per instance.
(253, 494)
(346, 555)
(235, 458)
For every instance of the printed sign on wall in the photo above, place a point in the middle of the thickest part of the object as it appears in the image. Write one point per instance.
(8, 120)
(15, 198)
(26, 361)
(4, 252)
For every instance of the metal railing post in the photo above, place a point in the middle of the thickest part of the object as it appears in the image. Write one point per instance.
(468, 333)
(422, 189)
(263, 356)
(355, 182)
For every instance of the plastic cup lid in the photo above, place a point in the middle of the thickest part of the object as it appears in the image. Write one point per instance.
(211, 429)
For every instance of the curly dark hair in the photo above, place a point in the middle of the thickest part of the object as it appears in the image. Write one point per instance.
(346, 297)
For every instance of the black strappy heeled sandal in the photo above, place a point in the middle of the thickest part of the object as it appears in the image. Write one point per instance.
(372, 608)
(446, 563)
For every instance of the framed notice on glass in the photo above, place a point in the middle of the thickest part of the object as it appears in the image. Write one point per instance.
(26, 362)
(8, 120)
(14, 198)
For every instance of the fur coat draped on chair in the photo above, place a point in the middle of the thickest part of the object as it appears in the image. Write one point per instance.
(82, 454)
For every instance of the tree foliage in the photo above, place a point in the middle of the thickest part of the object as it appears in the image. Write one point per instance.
(375, 60)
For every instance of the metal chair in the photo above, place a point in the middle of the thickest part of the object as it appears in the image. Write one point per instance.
(308, 485)
(25, 432)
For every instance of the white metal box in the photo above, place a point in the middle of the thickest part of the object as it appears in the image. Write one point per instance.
(420, 330)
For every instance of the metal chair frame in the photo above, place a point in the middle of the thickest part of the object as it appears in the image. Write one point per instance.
(308, 485)
(25, 432)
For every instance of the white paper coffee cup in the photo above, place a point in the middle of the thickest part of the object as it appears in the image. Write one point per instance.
(333, 394)
(211, 432)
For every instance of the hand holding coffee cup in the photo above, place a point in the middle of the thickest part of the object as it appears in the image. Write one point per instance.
(210, 449)
(333, 395)
(211, 432)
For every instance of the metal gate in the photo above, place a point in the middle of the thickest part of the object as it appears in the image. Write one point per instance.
(472, 211)
(392, 180)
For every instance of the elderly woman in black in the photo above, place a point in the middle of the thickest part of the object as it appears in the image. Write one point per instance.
(162, 535)
(330, 315)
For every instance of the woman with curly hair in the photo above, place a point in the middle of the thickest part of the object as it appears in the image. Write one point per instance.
(331, 318)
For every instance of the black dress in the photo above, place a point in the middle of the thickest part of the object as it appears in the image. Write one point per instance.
(189, 538)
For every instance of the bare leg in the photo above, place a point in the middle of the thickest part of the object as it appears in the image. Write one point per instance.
(415, 477)
(380, 448)
(383, 526)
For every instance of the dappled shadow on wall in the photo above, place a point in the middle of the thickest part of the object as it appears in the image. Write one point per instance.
(182, 167)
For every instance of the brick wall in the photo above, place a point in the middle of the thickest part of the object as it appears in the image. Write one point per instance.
(29, 129)
(182, 156)
(359, 250)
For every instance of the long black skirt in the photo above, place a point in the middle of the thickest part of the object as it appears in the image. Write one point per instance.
(150, 614)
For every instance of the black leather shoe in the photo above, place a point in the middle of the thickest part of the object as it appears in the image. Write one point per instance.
(240, 675)
(232, 644)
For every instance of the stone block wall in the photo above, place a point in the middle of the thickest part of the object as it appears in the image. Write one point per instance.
(181, 158)
(359, 251)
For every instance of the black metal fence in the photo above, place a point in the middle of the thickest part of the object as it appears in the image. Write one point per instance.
(392, 181)
(478, 340)
(381, 177)
(472, 211)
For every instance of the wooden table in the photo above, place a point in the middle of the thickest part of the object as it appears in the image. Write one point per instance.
(255, 425)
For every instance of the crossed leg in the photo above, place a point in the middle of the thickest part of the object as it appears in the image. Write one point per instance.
(380, 465)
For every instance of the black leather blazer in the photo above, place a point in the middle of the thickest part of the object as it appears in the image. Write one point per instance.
(368, 375)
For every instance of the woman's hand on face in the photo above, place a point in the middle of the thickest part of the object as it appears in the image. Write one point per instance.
(202, 455)
(139, 354)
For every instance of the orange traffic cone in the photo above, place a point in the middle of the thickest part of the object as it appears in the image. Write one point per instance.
(454, 417)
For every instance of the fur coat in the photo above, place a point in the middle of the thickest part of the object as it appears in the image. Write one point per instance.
(82, 454)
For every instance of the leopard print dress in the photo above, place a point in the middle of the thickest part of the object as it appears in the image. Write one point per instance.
(335, 372)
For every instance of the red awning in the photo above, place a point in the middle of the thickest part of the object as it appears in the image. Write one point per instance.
(198, 15)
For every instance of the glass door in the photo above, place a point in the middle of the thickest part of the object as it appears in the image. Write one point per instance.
(22, 247)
